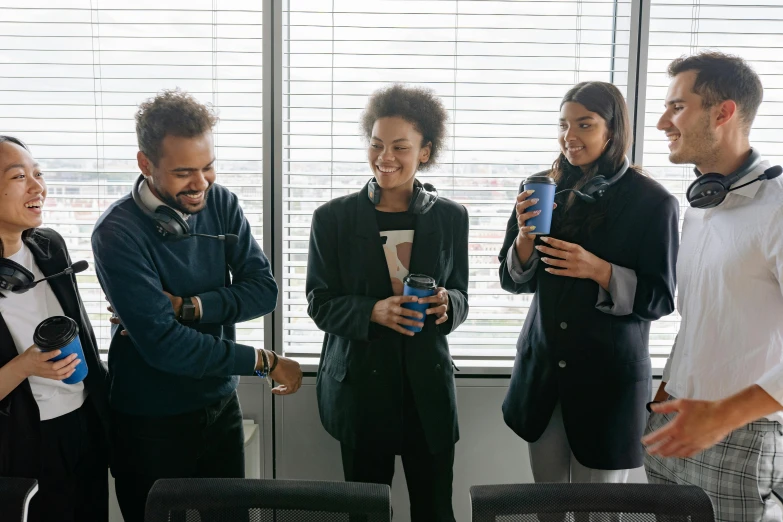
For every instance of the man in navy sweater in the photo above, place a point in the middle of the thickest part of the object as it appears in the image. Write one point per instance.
(173, 374)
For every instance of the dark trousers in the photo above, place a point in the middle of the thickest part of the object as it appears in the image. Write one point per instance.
(207, 443)
(429, 476)
(73, 485)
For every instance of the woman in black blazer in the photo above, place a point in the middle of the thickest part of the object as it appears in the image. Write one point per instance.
(382, 389)
(582, 375)
(50, 431)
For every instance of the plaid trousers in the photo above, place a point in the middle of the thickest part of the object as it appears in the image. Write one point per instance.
(738, 473)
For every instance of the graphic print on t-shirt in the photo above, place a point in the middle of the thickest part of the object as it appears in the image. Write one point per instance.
(397, 247)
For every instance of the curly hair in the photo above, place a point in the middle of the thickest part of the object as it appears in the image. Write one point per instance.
(174, 113)
(419, 106)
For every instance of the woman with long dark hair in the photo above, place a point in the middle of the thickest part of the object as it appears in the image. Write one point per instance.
(51, 429)
(582, 374)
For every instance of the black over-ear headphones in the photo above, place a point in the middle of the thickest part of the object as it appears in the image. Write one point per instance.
(709, 190)
(423, 199)
(168, 222)
(597, 186)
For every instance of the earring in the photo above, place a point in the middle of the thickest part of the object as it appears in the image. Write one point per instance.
(605, 144)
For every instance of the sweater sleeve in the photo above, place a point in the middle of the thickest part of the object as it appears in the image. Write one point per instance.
(253, 290)
(132, 284)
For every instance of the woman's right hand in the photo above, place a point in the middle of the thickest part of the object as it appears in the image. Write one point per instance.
(390, 313)
(524, 201)
(34, 362)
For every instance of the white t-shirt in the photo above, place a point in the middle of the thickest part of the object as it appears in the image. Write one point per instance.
(22, 313)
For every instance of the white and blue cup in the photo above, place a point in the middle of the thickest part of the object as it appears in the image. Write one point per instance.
(544, 188)
(62, 333)
(421, 286)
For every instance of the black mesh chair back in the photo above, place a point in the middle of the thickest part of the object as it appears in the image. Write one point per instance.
(15, 496)
(590, 503)
(252, 500)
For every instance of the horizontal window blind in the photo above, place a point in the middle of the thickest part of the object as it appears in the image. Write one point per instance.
(501, 68)
(746, 29)
(74, 73)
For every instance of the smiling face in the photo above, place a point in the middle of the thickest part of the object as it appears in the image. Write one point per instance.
(22, 190)
(185, 172)
(583, 134)
(687, 123)
(395, 152)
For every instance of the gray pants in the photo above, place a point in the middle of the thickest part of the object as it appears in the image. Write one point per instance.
(738, 474)
(552, 460)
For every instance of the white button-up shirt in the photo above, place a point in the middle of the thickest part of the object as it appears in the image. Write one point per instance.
(730, 277)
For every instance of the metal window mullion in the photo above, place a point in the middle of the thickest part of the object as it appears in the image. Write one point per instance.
(637, 73)
(272, 208)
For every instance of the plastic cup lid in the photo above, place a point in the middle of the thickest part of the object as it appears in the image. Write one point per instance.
(55, 332)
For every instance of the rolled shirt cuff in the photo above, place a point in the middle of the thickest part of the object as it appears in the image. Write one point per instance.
(622, 291)
(521, 272)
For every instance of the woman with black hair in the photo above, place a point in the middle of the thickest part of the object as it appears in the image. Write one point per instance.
(384, 387)
(50, 430)
(582, 374)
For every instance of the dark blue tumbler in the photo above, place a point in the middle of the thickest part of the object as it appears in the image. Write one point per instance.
(420, 286)
(62, 333)
(544, 187)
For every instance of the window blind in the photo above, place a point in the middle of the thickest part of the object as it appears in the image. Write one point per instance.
(74, 73)
(501, 68)
(746, 29)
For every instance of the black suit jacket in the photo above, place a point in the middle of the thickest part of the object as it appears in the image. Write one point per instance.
(20, 436)
(596, 364)
(360, 378)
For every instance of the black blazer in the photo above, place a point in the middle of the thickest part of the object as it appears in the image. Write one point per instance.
(360, 377)
(20, 422)
(596, 364)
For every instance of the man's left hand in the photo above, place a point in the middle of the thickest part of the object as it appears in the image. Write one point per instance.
(439, 304)
(699, 425)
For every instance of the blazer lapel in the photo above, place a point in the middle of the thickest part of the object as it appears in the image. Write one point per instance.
(51, 261)
(371, 258)
(592, 244)
(426, 248)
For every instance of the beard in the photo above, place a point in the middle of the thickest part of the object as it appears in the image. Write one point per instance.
(173, 201)
(701, 144)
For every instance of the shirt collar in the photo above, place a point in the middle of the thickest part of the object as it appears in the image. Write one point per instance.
(750, 191)
(152, 202)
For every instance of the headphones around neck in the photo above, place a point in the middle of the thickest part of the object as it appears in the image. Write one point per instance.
(423, 198)
(17, 279)
(168, 223)
(14, 277)
(596, 187)
(709, 190)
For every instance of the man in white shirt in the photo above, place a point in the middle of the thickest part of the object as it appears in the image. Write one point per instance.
(716, 420)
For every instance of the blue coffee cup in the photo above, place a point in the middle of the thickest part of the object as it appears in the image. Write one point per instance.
(544, 188)
(420, 286)
(62, 333)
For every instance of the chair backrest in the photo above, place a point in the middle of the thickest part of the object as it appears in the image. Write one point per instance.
(254, 500)
(15, 496)
(590, 502)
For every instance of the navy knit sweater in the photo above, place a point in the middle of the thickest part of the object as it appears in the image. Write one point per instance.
(163, 367)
